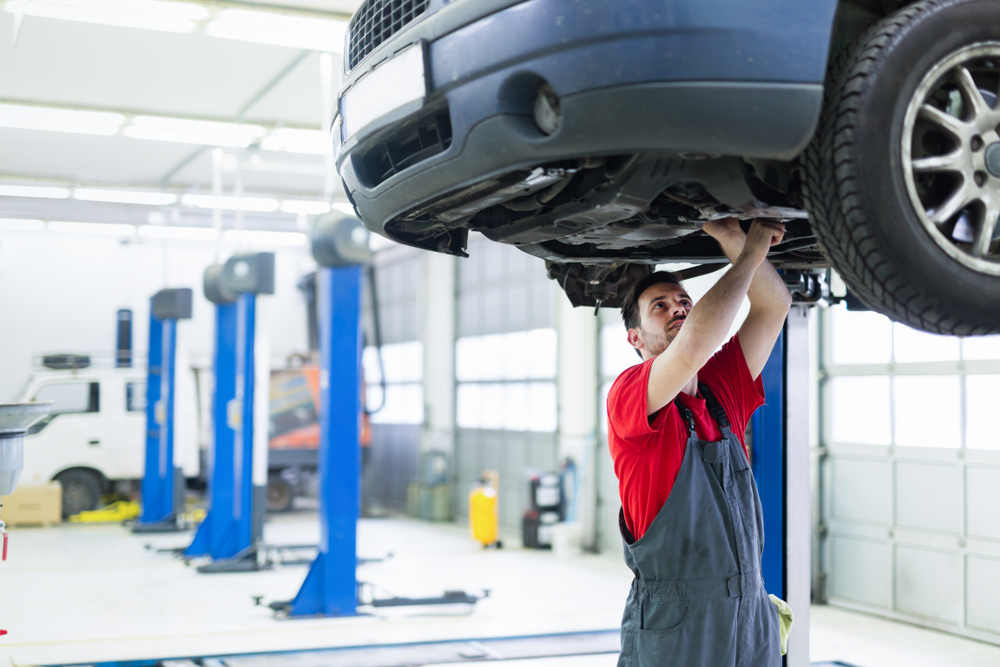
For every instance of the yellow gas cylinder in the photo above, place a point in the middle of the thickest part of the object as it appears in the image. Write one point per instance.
(484, 515)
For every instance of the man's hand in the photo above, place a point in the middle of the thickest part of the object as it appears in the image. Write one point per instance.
(763, 234)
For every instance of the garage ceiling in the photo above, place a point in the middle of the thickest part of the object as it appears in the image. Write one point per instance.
(164, 85)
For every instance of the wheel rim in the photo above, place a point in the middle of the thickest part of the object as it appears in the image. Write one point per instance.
(951, 155)
(77, 498)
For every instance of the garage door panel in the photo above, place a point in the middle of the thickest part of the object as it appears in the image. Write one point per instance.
(861, 490)
(926, 582)
(982, 593)
(929, 496)
(982, 502)
(861, 571)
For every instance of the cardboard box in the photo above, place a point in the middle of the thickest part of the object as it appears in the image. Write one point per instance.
(33, 505)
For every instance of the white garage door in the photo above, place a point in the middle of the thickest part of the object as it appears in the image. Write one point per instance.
(911, 474)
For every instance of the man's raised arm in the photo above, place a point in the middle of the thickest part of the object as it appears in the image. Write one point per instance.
(709, 321)
(769, 298)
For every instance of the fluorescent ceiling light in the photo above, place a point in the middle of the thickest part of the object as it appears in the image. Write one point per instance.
(203, 132)
(344, 207)
(125, 196)
(305, 207)
(265, 238)
(312, 142)
(147, 14)
(299, 32)
(105, 228)
(260, 204)
(18, 223)
(171, 232)
(34, 191)
(60, 120)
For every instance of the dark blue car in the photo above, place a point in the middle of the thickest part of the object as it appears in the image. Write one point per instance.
(600, 135)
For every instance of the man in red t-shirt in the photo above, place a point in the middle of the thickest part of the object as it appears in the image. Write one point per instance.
(658, 408)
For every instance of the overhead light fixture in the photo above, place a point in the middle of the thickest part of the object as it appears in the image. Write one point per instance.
(43, 192)
(145, 14)
(264, 237)
(125, 196)
(26, 117)
(259, 204)
(101, 228)
(299, 32)
(22, 224)
(344, 207)
(290, 140)
(300, 206)
(172, 232)
(185, 131)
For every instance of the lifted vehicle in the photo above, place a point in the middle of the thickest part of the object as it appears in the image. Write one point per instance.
(600, 136)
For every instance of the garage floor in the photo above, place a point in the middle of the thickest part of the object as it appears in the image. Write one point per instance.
(89, 593)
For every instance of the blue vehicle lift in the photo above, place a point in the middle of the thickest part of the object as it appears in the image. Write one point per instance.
(233, 528)
(331, 588)
(162, 485)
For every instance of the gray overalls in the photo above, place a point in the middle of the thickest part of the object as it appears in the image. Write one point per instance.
(698, 599)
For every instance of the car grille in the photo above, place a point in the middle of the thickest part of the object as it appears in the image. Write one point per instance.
(377, 21)
(422, 139)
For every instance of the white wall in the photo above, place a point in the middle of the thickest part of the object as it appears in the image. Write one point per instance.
(60, 292)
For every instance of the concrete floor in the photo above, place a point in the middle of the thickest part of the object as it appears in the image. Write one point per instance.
(88, 593)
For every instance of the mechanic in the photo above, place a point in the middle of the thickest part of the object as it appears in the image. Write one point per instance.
(691, 517)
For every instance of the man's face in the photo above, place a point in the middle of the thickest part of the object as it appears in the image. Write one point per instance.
(663, 307)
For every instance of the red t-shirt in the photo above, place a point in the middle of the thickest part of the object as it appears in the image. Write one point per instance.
(648, 452)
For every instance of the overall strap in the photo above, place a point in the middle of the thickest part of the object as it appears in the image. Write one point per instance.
(714, 406)
(686, 415)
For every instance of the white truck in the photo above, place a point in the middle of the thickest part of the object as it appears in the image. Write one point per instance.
(94, 439)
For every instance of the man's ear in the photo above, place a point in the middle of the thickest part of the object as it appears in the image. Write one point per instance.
(635, 340)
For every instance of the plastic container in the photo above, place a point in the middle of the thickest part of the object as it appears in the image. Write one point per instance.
(484, 511)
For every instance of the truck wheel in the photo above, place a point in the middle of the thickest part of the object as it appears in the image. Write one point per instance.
(81, 491)
(279, 494)
(902, 180)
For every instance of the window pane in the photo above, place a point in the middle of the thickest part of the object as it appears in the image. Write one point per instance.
(468, 359)
(494, 407)
(910, 345)
(516, 406)
(69, 397)
(135, 396)
(859, 410)
(542, 351)
(515, 355)
(369, 362)
(469, 403)
(860, 338)
(403, 361)
(927, 411)
(404, 404)
(616, 353)
(982, 398)
(492, 357)
(542, 403)
(981, 347)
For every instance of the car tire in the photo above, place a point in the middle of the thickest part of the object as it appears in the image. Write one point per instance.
(862, 186)
(279, 494)
(81, 491)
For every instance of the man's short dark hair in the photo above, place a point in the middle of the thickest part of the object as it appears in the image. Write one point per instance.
(630, 304)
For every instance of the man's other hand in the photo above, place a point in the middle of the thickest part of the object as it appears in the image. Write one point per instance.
(726, 231)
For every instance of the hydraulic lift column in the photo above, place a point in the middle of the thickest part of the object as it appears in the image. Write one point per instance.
(162, 484)
(340, 246)
(233, 529)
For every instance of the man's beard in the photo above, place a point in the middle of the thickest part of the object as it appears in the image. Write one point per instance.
(658, 341)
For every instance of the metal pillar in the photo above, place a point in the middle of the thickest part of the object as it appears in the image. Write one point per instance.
(159, 504)
(216, 536)
(780, 462)
(233, 500)
(330, 588)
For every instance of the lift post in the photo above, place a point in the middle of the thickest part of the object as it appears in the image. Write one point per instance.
(330, 587)
(233, 529)
(780, 463)
(162, 485)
